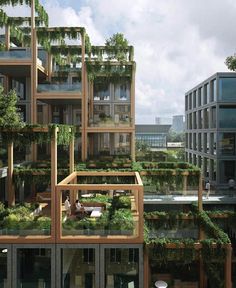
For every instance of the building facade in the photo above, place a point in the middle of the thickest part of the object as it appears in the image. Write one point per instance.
(152, 135)
(178, 123)
(68, 84)
(211, 128)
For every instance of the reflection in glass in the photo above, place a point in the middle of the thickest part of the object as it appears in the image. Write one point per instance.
(227, 117)
(227, 88)
(78, 268)
(122, 91)
(33, 268)
(121, 268)
(227, 143)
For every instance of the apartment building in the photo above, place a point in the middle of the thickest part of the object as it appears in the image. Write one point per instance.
(44, 242)
(211, 127)
(61, 78)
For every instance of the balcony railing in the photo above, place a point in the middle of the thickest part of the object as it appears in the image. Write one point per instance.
(21, 54)
(59, 88)
(110, 123)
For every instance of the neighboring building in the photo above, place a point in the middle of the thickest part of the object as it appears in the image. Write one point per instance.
(211, 128)
(153, 135)
(163, 121)
(178, 123)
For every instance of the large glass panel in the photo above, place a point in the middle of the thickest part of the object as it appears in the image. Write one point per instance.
(78, 268)
(200, 95)
(61, 87)
(206, 94)
(213, 90)
(227, 143)
(109, 144)
(206, 118)
(122, 91)
(227, 171)
(213, 117)
(227, 88)
(186, 102)
(3, 267)
(33, 268)
(101, 91)
(190, 101)
(152, 140)
(227, 117)
(121, 268)
(194, 99)
(200, 119)
(15, 54)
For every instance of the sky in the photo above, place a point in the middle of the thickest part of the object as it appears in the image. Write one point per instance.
(178, 44)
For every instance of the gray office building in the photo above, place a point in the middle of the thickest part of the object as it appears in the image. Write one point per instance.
(210, 113)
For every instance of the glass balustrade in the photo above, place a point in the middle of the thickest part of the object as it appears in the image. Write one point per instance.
(15, 54)
(59, 87)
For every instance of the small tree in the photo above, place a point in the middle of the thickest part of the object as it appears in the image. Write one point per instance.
(231, 63)
(116, 47)
(9, 113)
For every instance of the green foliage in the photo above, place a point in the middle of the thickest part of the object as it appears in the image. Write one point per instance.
(116, 47)
(231, 62)
(19, 217)
(122, 220)
(9, 113)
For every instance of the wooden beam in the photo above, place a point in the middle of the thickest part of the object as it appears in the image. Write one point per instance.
(228, 267)
(102, 187)
(72, 155)
(68, 179)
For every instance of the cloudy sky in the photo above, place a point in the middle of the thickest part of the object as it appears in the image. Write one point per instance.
(177, 43)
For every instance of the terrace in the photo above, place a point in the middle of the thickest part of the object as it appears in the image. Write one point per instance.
(112, 206)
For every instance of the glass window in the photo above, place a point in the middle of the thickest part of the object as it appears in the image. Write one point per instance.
(213, 90)
(200, 119)
(118, 273)
(195, 120)
(227, 89)
(199, 142)
(227, 170)
(227, 144)
(101, 91)
(3, 267)
(190, 101)
(227, 117)
(206, 94)
(34, 268)
(206, 118)
(213, 117)
(186, 102)
(200, 95)
(122, 91)
(18, 85)
(78, 268)
(194, 99)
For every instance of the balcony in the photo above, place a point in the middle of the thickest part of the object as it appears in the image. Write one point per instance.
(64, 87)
(110, 205)
(15, 54)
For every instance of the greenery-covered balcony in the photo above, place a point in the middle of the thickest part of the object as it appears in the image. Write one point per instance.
(103, 215)
(111, 206)
(187, 261)
(21, 220)
(170, 180)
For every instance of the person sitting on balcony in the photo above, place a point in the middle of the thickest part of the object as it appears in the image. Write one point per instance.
(38, 211)
(67, 206)
(79, 208)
